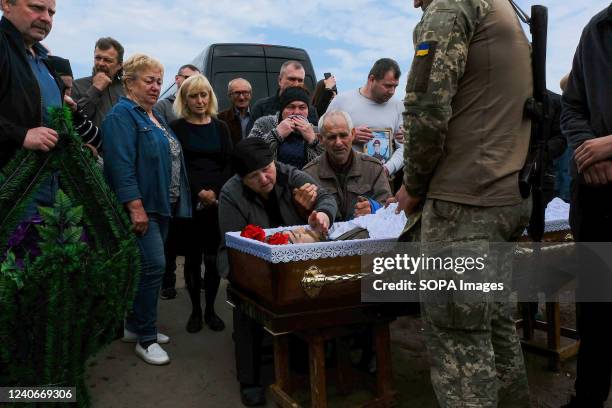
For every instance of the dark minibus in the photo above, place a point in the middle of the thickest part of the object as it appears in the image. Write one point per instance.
(257, 63)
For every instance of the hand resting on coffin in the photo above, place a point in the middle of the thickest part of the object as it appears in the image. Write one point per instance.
(319, 221)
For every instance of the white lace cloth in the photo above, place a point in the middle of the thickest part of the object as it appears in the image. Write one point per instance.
(384, 224)
(557, 216)
(384, 227)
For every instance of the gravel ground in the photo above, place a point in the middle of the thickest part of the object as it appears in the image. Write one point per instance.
(202, 371)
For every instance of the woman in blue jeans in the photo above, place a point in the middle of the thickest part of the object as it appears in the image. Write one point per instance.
(144, 166)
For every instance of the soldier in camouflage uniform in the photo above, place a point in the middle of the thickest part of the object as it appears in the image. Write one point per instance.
(466, 139)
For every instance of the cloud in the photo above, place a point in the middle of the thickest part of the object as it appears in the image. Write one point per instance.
(342, 36)
(566, 21)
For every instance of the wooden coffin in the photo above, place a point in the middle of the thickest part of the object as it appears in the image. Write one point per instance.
(279, 285)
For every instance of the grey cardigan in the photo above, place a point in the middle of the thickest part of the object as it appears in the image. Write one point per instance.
(265, 128)
(239, 206)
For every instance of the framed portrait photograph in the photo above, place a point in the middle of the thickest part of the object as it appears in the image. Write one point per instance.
(381, 146)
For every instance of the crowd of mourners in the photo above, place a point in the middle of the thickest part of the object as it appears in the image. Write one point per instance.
(187, 173)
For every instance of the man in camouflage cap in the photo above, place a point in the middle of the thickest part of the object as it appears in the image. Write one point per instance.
(466, 139)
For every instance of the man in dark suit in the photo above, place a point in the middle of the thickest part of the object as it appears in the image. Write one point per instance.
(238, 115)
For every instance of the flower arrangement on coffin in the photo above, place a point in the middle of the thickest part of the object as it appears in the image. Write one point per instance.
(257, 233)
(68, 274)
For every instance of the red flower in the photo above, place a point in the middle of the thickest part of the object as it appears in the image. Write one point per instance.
(254, 232)
(278, 239)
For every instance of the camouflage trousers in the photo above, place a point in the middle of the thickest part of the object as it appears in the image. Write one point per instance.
(476, 357)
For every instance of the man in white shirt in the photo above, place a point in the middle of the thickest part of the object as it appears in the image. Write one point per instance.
(371, 107)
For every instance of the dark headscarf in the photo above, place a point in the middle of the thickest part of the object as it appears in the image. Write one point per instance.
(294, 93)
(250, 154)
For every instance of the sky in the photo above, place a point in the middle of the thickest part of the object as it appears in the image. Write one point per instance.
(344, 37)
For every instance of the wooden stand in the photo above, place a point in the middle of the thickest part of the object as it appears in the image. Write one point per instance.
(553, 349)
(315, 328)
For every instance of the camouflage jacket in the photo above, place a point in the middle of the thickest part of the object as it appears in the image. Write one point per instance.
(441, 41)
(466, 136)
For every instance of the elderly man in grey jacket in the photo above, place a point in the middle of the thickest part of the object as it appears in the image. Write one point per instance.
(268, 194)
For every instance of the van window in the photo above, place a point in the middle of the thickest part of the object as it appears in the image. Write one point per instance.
(238, 50)
(273, 83)
(275, 58)
(228, 64)
(257, 63)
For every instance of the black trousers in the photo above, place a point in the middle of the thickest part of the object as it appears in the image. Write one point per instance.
(171, 250)
(203, 238)
(591, 221)
(248, 338)
(198, 240)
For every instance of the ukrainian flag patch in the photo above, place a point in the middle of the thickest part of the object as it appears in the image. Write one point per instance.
(422, 50)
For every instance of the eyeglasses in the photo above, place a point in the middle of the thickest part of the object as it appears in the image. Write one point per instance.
(184, 76)
(240, 93)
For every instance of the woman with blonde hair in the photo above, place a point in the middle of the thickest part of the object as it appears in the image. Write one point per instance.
(144, 166)
(206, 143)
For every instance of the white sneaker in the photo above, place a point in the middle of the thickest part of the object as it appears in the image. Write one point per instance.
(154, 354)
(131, 337)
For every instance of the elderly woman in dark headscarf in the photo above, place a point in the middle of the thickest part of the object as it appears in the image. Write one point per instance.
(290, 136)
(262, 193)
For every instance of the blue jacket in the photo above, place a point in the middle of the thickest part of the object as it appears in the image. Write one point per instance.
(137, 160)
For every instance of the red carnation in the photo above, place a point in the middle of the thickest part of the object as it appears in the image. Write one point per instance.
(254, 232)
(278, 239)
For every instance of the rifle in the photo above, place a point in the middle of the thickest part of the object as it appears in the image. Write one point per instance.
(538, 109)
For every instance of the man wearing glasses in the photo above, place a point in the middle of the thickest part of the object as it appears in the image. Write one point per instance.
(164, 106)
(96, 94)
(238, 115)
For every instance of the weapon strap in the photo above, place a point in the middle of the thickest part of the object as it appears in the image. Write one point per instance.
(524, 17)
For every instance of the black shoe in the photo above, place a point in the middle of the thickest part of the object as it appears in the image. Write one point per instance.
(214, 322)
(194, 324)
(252, 395)
(167, 293)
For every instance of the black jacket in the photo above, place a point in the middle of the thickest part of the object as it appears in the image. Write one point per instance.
(323, 101)
(233, 122)
(205, 170)
(587, 102)
(20, 99)
(271, 105)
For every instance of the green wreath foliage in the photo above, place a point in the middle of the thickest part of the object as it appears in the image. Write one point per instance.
(62, 306)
